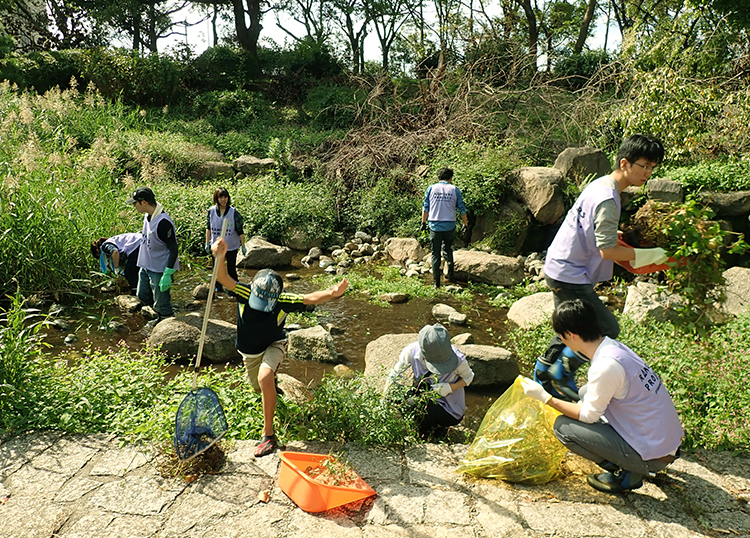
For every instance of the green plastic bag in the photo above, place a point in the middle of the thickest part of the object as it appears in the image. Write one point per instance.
(515, 441)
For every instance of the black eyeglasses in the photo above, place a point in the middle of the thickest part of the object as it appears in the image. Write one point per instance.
(646, 168)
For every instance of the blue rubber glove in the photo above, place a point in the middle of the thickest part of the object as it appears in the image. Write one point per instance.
(166, 279)
(243, 249)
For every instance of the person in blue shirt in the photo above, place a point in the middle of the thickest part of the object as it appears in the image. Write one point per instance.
(441, 202)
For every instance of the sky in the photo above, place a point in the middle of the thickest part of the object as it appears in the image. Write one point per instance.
(200, 36)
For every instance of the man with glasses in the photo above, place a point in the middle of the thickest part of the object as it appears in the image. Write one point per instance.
(584, 250)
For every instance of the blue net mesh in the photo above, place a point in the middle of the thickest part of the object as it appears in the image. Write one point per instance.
(200, 422)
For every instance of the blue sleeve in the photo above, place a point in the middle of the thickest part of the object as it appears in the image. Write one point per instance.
(426, 202)
(460, 203)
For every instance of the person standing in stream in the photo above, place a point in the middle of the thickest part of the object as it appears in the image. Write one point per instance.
(262, 307)
(157, 257)
(441, 202)
(235, 235)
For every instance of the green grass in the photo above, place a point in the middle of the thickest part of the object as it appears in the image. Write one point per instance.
(372, 281)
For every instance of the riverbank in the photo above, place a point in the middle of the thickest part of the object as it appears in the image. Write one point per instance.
(88, 486)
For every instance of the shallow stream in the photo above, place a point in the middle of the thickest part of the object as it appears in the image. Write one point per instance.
(359, 320)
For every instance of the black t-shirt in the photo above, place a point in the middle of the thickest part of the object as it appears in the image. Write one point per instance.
(257, 330)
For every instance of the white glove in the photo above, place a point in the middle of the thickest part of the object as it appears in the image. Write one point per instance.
(535, 390)
(647, 256)
(444, 389)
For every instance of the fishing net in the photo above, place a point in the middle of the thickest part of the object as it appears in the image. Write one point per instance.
(515, 441)
(200, 423)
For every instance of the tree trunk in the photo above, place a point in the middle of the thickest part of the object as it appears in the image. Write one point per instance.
(248, 36)
(585, 24)
(213, 25)
(528, 10)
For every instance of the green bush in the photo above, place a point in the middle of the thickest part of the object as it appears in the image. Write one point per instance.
(721, 176)
(151, 80)
(481, 171)
(391, 206)
(576, 70)
(332, 107)
(43, 70)
(218, 68)
(233, 110)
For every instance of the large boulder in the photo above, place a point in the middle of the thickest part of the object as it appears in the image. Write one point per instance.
(313, 344)
(541, 191)
(492, 366)
(262, 254)
(576, 164)
(665, 190)
(251, 166)
(298, 239)
(488, 268)
(727, 204)
(179, 338)
(382, 354)
(210, 170)
(294, 389)
(737, 290)
(512, 237)
(646, 300)
(532, 310)
(404, 248)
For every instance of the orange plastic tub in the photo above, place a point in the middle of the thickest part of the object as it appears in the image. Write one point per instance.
(311, 495)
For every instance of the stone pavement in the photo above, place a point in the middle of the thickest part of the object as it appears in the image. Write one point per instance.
(54, 485)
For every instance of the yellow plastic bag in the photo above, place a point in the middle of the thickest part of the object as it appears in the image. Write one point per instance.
(515, 441)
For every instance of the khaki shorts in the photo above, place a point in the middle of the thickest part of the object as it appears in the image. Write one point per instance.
(271, 358)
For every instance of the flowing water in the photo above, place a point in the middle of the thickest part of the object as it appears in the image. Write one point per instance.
(360, 321)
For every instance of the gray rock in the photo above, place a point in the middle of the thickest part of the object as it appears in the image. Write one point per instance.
(645, 300)
(394, 298)
(576, 164)
(737, 291)
(462, 339)
(128, 303)
(404, 248)
(487, 223)
(457, 318)
(325, 261)
(366, 249)
(488, 268)
(442, 312)
(294, 389)
(71, 338)
(297, 238)
(149, 313)
(314, 253)
(727, 204)
(541, 191)
(364, 237)
(412, 273)
(665, 190)
(349, 246)
(200, 292)
(290, 277)
(382, 354)
(251, 166)
(262, 254)
(179, 338)
(630, 195)
(313, 344)
(210, 170)
(492, 366)
(344, 372)
(533, 310)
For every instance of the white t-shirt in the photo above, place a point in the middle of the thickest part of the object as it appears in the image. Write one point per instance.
(606, 380)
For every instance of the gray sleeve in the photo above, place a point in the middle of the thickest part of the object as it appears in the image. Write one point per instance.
(606, 221)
